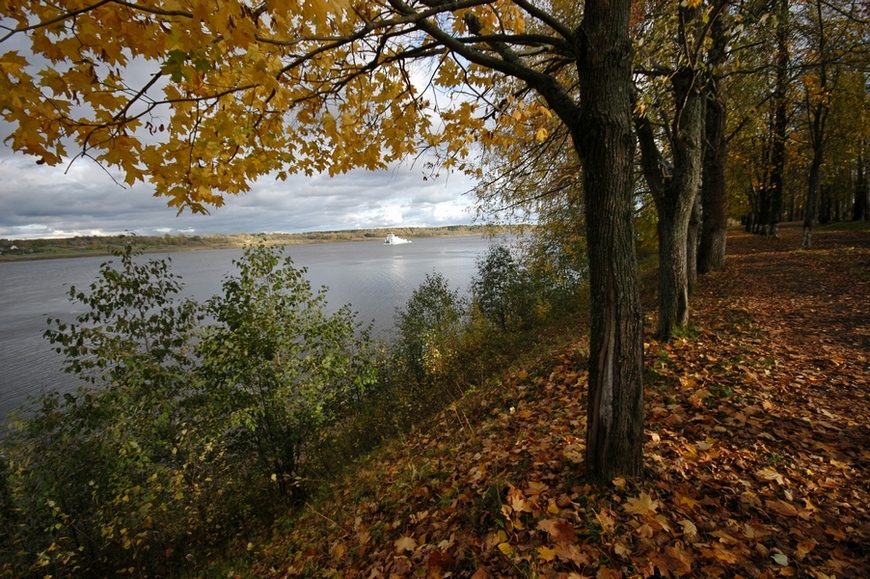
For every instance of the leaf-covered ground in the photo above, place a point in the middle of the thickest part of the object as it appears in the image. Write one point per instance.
(757, 451)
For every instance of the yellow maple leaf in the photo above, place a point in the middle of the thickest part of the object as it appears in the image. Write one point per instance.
(405, 543)
(641, 505)
(546, 553)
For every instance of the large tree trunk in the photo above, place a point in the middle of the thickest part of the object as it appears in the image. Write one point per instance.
(674, 196)
(861, 208)
(692, 244)
(603, 137)
(714, 228)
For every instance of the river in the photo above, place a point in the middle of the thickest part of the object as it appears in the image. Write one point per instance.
(373, 277)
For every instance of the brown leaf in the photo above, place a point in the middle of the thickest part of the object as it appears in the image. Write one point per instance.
(803, 548)
(781, 507)
(517, 501)
(770, 475)
(680, 560)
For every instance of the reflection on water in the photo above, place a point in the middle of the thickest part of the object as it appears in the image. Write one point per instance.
(375, 278)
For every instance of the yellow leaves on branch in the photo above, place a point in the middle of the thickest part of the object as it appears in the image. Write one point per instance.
(229, 95)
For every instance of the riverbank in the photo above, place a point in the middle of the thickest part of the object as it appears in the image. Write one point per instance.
(755, 451)
(33, 249)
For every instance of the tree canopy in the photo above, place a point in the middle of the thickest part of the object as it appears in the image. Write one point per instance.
(202, 101)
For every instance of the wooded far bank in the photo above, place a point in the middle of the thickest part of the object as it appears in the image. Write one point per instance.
(88, 245)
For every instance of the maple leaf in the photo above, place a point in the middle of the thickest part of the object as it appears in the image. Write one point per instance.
(719, 553)
(405, 543)
(607, 522)
(571, 553)
(771, 475)
(517, 501)
(680, 560)
(641, 505)
(546, 553)
(549, 525)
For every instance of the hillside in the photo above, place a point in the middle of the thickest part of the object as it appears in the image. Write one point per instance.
(757, 457)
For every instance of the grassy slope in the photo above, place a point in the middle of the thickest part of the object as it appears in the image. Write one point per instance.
(757, 460)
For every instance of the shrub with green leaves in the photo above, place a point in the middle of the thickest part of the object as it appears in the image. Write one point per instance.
(429, 327)
(502, 289)
(187, 432)
(515, 293)
(280, 370)
(92, 472)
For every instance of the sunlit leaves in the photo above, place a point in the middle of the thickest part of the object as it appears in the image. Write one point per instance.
(240, 92)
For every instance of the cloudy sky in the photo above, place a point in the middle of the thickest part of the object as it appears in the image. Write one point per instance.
(40, 201)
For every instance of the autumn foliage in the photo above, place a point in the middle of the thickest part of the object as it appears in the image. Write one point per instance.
(755, 452)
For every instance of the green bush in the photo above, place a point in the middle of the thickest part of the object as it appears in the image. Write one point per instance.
(189, 433)
(519, 293)
(280, 371)
(429, 328)
(503, 291)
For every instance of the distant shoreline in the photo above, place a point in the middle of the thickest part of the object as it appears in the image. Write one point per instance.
(87, 246)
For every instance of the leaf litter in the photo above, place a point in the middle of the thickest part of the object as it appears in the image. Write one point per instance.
(757, 462)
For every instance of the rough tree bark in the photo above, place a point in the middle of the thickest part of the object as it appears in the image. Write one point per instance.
(692, 244)
(861, 208)
(603, 138)
(674, 195)
(714, 227)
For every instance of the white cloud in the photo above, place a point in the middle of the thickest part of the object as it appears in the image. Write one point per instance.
(41, 201)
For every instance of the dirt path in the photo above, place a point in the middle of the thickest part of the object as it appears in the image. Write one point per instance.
(814, 309)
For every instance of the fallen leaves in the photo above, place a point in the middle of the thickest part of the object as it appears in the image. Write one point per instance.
(756, 459)
(641, 505)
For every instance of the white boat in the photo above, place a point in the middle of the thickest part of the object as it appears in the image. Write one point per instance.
(393, 239)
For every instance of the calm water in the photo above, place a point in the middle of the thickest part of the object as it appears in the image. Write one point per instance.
(375, 278)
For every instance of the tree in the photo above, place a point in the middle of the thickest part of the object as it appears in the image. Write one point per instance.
(832, 44)
(429, 326)
(713, 236)
(674, 184)
(239, 92)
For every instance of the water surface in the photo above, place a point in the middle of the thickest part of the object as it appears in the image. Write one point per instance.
(373, 277)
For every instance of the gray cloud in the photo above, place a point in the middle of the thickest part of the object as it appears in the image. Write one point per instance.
(41, 201)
